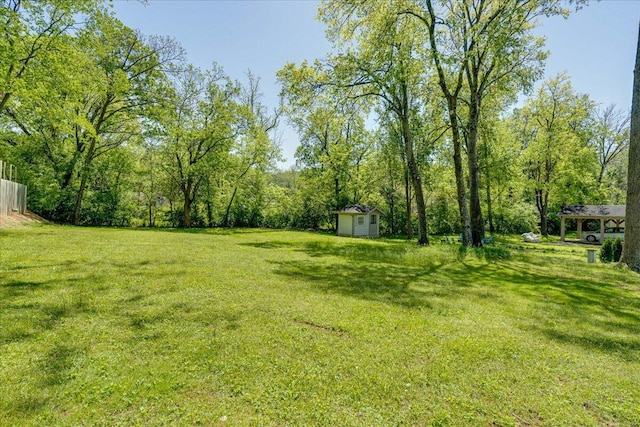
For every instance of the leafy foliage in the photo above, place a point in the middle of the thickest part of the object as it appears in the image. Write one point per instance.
(606, 251)
(616, 250)
(409, 112)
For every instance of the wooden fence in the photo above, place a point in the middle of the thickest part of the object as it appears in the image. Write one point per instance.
(13, 196)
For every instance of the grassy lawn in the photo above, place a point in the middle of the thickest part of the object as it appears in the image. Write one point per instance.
(256, 327)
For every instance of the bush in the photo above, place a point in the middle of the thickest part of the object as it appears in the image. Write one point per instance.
(606, 252)
(517, 219)
(617, 250)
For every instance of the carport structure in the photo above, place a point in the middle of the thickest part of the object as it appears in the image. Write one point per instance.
(613, 215)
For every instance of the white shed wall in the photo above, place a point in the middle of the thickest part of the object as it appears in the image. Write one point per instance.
(345, 225)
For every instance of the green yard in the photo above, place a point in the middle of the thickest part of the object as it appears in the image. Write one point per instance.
(256, 327)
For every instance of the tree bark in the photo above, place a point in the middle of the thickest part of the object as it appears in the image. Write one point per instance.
(3, 101)
(391, 202)
(407, 197)
(465, 223)
(186, 214)
(475, 211)
(416, 180)
(79, 197)
(488, 180)
(228, 211)
(631, 250)
(542, 203)
(209, 214)
(83, 181)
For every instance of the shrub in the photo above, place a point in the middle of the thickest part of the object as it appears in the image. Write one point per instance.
(606, 252)
(517, 218)
(616, 250)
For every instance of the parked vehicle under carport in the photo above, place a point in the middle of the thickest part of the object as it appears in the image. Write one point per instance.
(594, 236)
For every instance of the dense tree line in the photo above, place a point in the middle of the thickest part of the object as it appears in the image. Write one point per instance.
(416, 110)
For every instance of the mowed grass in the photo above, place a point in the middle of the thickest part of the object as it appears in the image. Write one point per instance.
(256, 327)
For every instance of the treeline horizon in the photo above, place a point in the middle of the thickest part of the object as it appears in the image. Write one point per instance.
(414, 111)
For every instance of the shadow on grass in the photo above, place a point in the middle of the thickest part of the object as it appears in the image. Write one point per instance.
(565, 307)
(362, 251)
(215, 231)
(57, 363)
(53, 369)
(29, 405)
(627, 349)
(42, 265)
(373, 271)
(581, 295)
(18, 288)
(30, 303)
(273, 244)
(369, 281)
(563, 304)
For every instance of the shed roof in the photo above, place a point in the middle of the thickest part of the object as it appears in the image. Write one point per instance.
(594, 211)
(357, 209)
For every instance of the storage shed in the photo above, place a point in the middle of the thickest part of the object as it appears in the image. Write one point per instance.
(359, 221)
(607, 215)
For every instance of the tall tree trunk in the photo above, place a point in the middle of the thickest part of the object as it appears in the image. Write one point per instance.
(487, 176)
(186, 214)
(631, 251)
(334, 218)
(475, 211)
(392, 213)
(186, 218)
(89, 158)
(209, 214)
(228, 211)
(79, 197)
(465, 223)
(390, 193)
(542, 203)
(601, 174)
(407, 198)
(83, 181)
(489, 209)
(416, 181)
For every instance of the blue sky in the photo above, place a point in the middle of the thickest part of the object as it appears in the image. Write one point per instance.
(595, 46)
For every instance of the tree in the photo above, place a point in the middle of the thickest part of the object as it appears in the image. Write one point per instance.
(631, 251)
(611, 136)
(32, 31)
(255, 152)
(477, 47)
(334, 141)
(38, 94)
(147, 184)
(393, 159)
(74, 118)
(130, 66)
(382, 61)
(557, 159)
(201, 122)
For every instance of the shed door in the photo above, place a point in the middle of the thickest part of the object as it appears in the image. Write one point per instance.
(374, 225)
(361, 226)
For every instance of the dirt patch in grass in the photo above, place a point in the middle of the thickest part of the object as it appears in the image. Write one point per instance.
(322, 328)
(21, 220)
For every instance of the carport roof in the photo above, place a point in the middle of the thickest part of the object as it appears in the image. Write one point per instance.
(594, 211)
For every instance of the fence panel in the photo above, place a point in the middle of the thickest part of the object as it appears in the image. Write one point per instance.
(13, 198)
